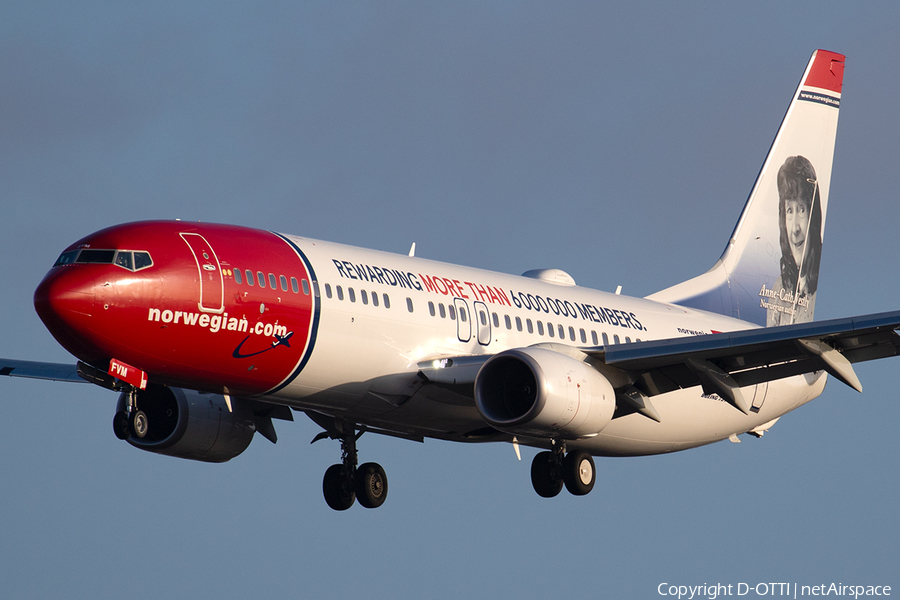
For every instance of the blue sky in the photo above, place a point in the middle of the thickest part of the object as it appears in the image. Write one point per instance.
(615, 142)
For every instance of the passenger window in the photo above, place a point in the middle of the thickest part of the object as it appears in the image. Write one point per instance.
(409, 304)
(452, 312)
(272, 282)
(387, 300)
(627, 340)
(315, 289)
(507, 321)
(123, 259)
(594, 338)
(237, 276)
(374, 298)
(562, 333)
(142, 260)
(294, 287)
(328, 290)
(261, 279)
(283, 280)
(583, 336)
(462, 314)
(496, 320)
(518, 324)
(615, 339)
(249, 277)
(305, 284)
(605, 340)
(442, 312)
(340, 293)
(550, 330)
(483, 317)
(528, 326)
(431, 308)
(365, 296)
(351, 293)
(571, 333)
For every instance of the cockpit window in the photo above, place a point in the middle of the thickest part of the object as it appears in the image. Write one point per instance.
(142, 260)
(123, 259)
(96, 256)
(66, 258)
(133, 261)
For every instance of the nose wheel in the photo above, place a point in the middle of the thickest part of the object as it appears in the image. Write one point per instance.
(121, 425)
(131, 421)
(345, 483)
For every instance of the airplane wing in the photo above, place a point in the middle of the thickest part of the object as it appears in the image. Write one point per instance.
(41, 370)
(753, 356)
(722, 363)
(77, 373)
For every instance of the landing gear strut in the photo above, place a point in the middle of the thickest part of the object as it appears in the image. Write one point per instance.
(551, 469)
(345, 483)
(131, 421)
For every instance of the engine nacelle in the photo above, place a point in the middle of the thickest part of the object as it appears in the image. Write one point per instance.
(542, 393)
(190, 424)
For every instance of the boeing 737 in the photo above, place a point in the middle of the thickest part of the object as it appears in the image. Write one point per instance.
(209, 332)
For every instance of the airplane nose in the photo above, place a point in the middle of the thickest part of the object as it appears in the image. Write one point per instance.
(64, 301)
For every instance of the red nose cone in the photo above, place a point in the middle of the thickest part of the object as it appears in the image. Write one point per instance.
(64, 301)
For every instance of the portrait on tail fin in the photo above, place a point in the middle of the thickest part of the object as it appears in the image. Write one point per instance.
(769, 271)
(793, 297)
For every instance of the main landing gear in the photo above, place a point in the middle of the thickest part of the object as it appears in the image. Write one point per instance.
(131, 421)
(346, 482)
(551, 469)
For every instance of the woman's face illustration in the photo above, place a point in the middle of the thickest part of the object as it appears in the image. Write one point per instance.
(796, 221)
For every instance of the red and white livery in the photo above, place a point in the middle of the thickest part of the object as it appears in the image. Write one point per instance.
(209, 332)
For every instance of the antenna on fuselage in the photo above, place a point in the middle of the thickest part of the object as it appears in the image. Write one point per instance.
(412, 249)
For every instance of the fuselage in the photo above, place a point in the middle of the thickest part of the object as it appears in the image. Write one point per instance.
(342, 330)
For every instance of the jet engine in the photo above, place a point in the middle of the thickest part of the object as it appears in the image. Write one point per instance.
(542, 393)
(189, 424)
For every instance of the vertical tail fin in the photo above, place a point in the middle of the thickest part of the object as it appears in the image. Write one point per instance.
(769, 271)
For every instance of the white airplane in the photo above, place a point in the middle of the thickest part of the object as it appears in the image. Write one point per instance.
(211, 331)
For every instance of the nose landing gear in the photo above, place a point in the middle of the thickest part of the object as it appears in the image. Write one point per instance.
(131, 421)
